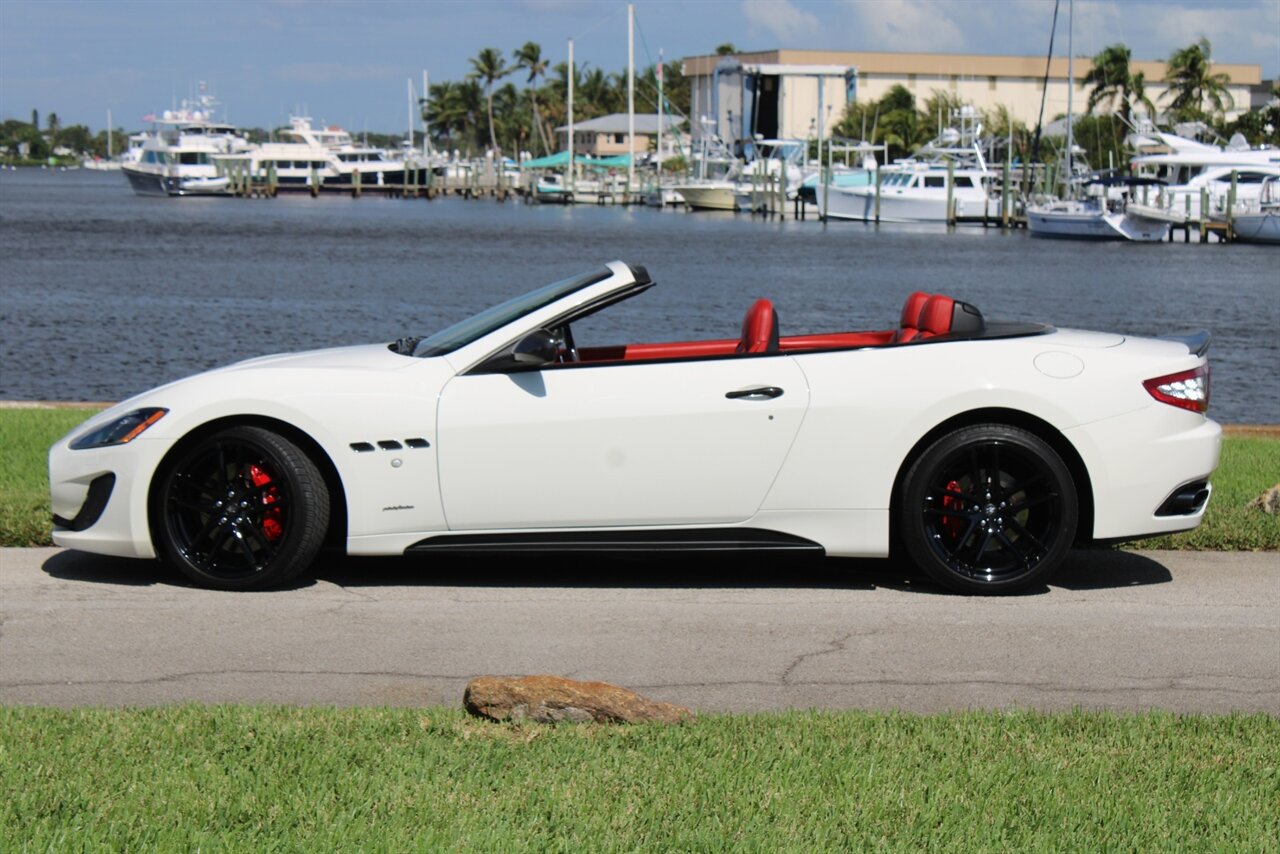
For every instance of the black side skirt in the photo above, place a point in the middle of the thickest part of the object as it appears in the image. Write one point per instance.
(613, 542)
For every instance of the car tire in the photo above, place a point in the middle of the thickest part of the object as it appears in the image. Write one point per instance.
(240, 509)
(1010, 532)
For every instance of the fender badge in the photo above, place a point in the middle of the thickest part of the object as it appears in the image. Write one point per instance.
(397, 507)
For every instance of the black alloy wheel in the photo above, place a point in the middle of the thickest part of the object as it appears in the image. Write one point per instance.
(988, 509)
(241, 509)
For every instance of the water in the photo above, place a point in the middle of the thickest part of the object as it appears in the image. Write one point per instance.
(106, 294)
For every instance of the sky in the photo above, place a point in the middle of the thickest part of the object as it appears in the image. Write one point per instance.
(347, 61)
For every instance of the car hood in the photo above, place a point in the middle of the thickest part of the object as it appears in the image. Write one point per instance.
(377, 358)
(368, 357)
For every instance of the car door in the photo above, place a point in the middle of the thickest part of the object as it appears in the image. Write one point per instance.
(639, 443)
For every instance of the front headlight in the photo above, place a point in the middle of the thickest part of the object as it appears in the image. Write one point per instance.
(124, 429)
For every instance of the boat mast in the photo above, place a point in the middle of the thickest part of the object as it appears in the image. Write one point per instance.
(571, 181)
(426, 127)
(1071, 85)
(409, 106)
(631, 96)
(660, 113)
(109, 150)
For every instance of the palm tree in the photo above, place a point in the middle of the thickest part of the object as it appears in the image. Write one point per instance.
(1192, 82)
(455, 107)
(596, 93)
(1114, 84)
(898, 124)
(529, 57)
(489, 66)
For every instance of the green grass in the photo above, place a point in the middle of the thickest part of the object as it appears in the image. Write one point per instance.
(320, 779)
(25, 437)
(1249, 466)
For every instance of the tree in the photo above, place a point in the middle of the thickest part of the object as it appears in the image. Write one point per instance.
(596, 92)
(938, 110)
(899, 125)
(1114, 84)
(529, 57)
(1260, 126)
(999, 124)
(1192, 81)
(489, 66)
(455, 111)
(726, 49)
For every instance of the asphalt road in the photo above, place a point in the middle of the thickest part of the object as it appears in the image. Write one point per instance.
(1185, 631)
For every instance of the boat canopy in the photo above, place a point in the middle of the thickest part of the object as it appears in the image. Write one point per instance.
(548, 162)
(553, 161)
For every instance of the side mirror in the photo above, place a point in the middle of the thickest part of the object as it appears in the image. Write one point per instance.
(531, 352)
(537, 348)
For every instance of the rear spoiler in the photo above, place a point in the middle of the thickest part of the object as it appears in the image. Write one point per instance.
(1197, 342)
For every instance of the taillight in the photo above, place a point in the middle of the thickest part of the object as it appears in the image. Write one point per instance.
(1185, 389)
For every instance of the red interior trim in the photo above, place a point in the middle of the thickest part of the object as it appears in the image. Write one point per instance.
(923, 316)
(835, 340)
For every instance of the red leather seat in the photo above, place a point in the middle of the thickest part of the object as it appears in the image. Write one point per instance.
(760, 329)
(909, 324)
(936, 317)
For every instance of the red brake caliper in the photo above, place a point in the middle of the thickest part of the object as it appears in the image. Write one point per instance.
(953, 525)
(272, 520)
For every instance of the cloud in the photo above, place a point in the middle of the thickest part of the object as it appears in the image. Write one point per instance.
(909, 25)
(781, 20)
(1223, 27)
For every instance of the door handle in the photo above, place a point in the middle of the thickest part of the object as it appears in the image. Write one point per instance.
(763, 391)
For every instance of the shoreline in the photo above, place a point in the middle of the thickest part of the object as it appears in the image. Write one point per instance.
(1257, 431)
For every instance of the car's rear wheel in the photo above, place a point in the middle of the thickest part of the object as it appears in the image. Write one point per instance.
(988, 509)
(240, 509)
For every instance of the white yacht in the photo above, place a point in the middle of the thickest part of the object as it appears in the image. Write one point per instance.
(178, 157)
(1194, 171)
(915, 189)
(305, 156)
(375, 165)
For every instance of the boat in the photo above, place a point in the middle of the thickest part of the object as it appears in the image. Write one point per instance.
(718, 180)
(307, 156)
(1098, 210)
(550, 188)
(1260, 224)
(179, 157)
(1196, 172)
(346, 159)
(1092, 219)
(949, 169)
(711, 194)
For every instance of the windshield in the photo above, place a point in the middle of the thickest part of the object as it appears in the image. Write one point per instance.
(480, 325)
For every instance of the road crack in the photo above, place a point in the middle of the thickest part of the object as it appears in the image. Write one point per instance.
(837, 645)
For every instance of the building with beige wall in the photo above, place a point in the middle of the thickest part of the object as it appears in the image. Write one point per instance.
(607, 135)
(786, 93)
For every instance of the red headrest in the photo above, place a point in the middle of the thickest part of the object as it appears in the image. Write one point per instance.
(911, 309)
(760, 329)
(936, 317)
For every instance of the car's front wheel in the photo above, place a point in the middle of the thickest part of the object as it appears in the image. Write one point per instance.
(988, 509)
(241, 509)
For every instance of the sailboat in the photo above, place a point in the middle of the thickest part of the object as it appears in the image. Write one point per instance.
(1096, 217)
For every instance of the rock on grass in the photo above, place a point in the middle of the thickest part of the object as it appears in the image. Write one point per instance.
(551, 699)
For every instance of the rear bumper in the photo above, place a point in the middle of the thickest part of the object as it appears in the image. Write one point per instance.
(1139, 461)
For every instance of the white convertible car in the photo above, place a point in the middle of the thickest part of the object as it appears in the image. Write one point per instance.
(981, 449)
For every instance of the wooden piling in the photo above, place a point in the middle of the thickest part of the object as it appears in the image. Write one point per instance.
(951, 192)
